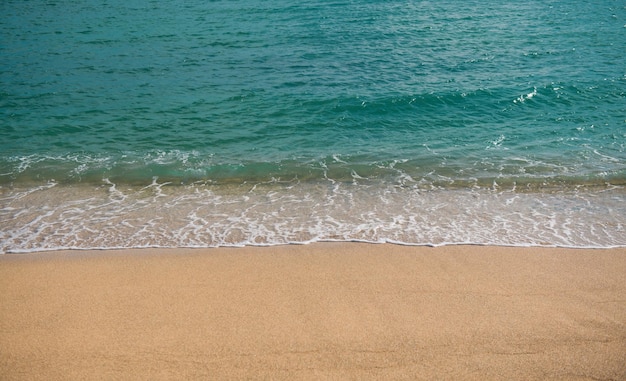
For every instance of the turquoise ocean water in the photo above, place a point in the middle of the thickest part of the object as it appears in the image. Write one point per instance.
(227, 123)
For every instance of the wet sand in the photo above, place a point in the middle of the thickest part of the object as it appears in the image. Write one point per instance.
(319, 311)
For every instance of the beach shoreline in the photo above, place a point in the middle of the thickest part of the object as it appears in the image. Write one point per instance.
(81, 217)
(324, 310)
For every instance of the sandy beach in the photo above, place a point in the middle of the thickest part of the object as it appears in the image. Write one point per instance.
(319, 311)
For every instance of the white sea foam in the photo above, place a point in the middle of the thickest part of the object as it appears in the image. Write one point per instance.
(160, 215)
(523, 98)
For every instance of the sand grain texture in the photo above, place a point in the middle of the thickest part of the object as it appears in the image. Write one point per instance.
(320, 311)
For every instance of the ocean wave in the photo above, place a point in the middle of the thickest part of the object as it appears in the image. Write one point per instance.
(427, 167)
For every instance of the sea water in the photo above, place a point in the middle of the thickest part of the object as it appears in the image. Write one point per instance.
(226, 123)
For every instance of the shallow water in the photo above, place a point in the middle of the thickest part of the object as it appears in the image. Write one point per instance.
(201, 215)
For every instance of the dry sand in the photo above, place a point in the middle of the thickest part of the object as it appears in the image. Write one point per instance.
(320, 311)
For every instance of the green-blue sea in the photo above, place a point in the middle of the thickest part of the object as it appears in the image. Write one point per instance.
(145, 123)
